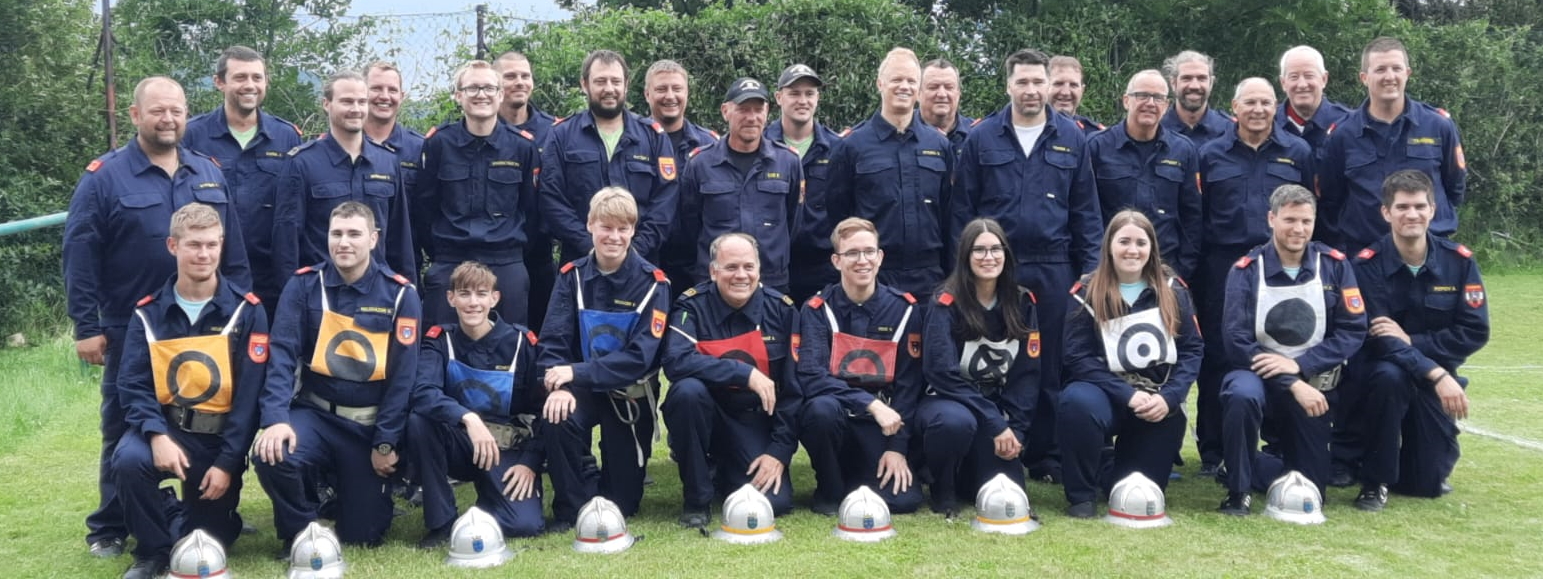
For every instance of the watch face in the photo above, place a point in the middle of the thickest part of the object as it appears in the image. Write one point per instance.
(384, 449)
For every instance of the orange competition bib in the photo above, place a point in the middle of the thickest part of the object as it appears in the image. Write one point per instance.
(346, 351)
(193, 372)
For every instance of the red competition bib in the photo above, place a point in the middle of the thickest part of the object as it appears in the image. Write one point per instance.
(864, 362)
(748, 347)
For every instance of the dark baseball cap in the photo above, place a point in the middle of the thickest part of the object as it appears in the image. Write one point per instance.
(791, 75)
(745, 89)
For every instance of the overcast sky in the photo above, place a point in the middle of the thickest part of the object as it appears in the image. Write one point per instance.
(537, 9)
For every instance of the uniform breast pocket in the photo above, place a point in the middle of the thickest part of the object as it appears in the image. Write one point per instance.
(932, 174)
(504, 190)
(1283, 174)
(212, 196)
(1439, 308)
(373, 321)
(771, 202)
(1424, 157)
(270, 165)
(329, 191)
(1360, 162)
(455, 187)
(148, 211)
(874, 175)
(379, 189)
(1058, 181)
(816, 172)
(720, 205)
(1165, 189)
(640, 181)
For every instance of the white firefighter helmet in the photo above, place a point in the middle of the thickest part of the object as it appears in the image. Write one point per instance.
(1294, 499)
(1137, 502)
(316, 554)
(863, 517)
(477, 542)
(1002, 506)
(197, 556)
(601, 528)
(748, 518)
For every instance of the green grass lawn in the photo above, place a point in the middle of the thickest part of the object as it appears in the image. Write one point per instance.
(1490, 527)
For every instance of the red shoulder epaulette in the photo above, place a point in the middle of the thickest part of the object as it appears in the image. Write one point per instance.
(816, 302)
(1181, 281)
(523, 133)
(559, 121)
(567, 267)
(1464, 251)
(434, 332)
(1337, 254)
(94, 165)
(941, 131)
(303, 270)
(297, 129)
(1081, 126)
(910, 299)
(659, 276)
(431, 132)
(1330, 130)
(399, 278)
(216, 162)
(1243, 262)
(714, 134)
(1367, 253)
(945, 298)
(1076, 287)
(143, 301)
(251, 298)
(658, 128)
(1033, 299)
(530, 337)
(1443, 112)
(692, 154)
(845, 132)
(977, 121)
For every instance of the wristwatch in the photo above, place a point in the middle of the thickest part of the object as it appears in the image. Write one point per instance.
(385, 448)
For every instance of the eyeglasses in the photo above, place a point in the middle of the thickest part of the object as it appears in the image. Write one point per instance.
(981, 251)
(486, 89)
(1147, 97)
(869, 254)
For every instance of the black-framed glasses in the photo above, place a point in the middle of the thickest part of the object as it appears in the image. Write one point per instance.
(1147, 97)
(486, 89)
(981, 251)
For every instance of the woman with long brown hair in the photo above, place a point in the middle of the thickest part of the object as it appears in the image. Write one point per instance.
(981, 359)
(1132, 350)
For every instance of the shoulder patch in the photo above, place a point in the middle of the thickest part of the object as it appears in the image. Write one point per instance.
(1464, 251)
(658, 128)
(945, 299)
(399, 278)
(1367, 253)
(304, 270)
(977, 121)
(1337, 254)
(251, 298)
(660, 277)
(257, 348)
(1443, 113)
(1243, 262)
(431, 133)
(910, 299)
(787, 299)
(816, 302)
(567, 267)
(293, 152)
(530, 337)
(144, 300)
(690, 291)
(94, 165)
(523, 133)
(434, 332)
(715, 135)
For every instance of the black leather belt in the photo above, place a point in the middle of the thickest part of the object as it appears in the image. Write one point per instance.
(194, 421)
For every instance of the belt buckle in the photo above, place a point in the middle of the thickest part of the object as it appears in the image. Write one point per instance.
(1328, 380)
(503, 434)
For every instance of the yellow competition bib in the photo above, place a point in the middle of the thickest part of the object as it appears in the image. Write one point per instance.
(346, 351)
(193, 372)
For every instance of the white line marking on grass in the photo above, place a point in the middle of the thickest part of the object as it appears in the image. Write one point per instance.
(1521, 368)
(1522, 442)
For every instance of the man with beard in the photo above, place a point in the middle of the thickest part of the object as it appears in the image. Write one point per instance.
(940, 101)
(666, 88)
(1237, 172)
(1142, 164)
(114, 254)
(1192, 76)
(1066, 89)
(249, 145)
(798, 95)
(607, 146)
(1306, 112)
(477, 197)
(744, 183)
(384, 81)
(896, 172)
(1028, 168)
(339, 166)
(520, 113)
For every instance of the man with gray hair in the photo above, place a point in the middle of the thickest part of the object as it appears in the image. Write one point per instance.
(1192, 75)
(1306, 112)
(1237, 172)
(732, 395)
(1294, 316)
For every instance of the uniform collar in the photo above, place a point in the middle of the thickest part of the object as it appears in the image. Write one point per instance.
(139, 162)
(1408, 115)
(751, 309)
(1122, 138)
(501, 331)
(1230, 140)
(338, 157)
(629, 124)
(1005, 120)
(718, 153)
(822, 134)
(331, 278)
(222, 122)
(1270, 261)
(224, 302)
(460, 136)
(591, 266)
(883, 130)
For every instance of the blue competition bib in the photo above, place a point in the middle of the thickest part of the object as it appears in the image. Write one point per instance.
(486, 392)
(604, 332)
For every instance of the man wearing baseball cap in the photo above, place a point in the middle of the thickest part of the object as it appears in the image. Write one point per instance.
(743, 183)
(798, 95)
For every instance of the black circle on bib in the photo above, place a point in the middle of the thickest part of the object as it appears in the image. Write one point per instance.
(1141, 346)
(192, 357)
(989, 364)
(481, 397)
(1290, 322)
(604, 339)
(346, 368)
(846, 371)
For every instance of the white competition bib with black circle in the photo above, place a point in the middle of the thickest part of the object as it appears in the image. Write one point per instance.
(1138, 341)
(985, 361)
(1288, 320)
